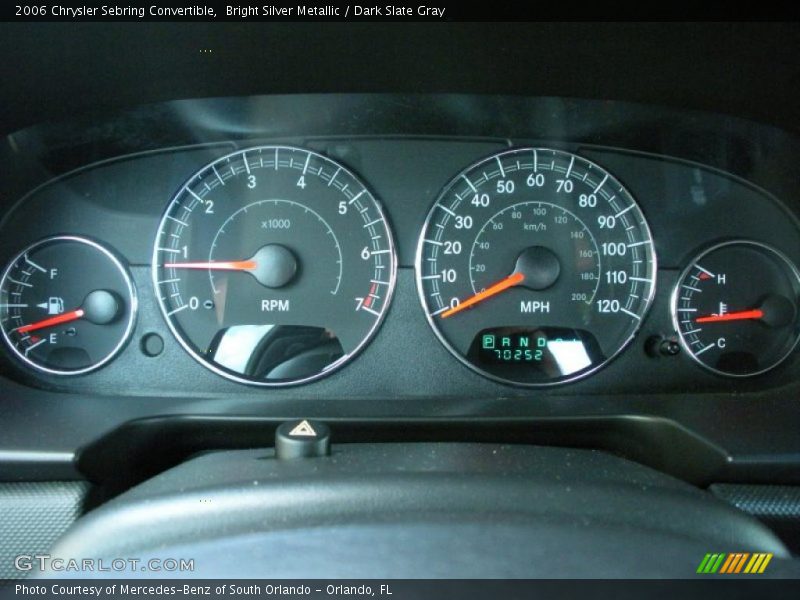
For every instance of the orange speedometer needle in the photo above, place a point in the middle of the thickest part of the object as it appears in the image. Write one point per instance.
(234, 265)
(500, 286)
(742, 315)
(66, 317)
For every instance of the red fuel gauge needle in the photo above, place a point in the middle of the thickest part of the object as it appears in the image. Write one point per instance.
(66, 317)
(742, 315)
(500, 286)
(236, 265)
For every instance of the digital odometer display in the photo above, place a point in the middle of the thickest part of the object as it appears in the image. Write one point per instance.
(536, 239)
(544, 349)
(496, 346)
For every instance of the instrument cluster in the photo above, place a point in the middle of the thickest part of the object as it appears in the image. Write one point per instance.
(275, 264)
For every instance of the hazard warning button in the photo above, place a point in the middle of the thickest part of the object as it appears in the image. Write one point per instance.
(302, 439)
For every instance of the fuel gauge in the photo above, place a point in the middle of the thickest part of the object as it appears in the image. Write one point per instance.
(735, 308)
(67, 305)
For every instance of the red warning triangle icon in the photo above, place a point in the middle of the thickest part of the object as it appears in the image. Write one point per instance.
(303, 429)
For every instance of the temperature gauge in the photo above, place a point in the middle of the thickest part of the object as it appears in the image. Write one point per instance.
(736, 308)
(67, 305)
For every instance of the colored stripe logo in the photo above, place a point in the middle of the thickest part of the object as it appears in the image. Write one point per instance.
(734, 563)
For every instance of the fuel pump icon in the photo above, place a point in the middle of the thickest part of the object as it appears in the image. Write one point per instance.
(53, 306)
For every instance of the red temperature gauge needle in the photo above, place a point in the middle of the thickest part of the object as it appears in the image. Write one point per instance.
(236, 265)
(742, 315)
(500, 286)
(66, 317)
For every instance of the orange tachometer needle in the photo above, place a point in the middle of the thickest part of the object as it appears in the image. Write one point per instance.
(236, 265)
(734, 316)
(66, 317)
(503, 284)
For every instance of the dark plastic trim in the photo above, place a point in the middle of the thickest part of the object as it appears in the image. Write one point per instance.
(142, 448)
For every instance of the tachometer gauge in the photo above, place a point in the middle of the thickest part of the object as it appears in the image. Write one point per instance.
(67, 305)
(535, 266)
(736, 308)
(274, 265)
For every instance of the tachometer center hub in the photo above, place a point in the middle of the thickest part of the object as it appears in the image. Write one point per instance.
(275, 265)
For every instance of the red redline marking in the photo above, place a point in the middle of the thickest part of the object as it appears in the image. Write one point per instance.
(368, 300)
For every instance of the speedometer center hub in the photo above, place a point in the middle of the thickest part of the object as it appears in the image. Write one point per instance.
(539, 266)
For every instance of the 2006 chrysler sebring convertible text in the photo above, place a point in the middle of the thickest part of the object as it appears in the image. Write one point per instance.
(243, 11)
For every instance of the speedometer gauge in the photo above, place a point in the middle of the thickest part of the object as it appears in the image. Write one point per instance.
(535, 266)
(274, 265)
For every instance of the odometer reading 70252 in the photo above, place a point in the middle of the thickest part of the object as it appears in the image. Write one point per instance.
(274, 265)
(535, 266)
